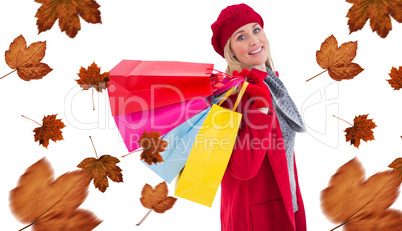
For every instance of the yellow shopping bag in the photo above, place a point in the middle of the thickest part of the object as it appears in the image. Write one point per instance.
(210, 154)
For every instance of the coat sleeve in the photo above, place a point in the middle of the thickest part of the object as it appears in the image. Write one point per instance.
(252, 141)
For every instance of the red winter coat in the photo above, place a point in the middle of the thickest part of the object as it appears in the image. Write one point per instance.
(255, 189)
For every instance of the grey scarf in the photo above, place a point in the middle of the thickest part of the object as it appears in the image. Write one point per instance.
(290, 122)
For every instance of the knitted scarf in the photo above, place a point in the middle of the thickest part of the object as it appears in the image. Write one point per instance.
(290, 122)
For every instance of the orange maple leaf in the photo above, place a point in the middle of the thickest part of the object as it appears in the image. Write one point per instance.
(396, 78)
(48, 204)
(100, 169)
(378, 12)
(92, 77)
(157, 198)
(50, 129)
(152, 145)
(26, 61)
(357, 203)
(338, 61)
(361, 129)
(67, 12)
(397, 166)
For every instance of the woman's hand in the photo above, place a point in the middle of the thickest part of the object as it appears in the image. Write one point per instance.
(257, 90)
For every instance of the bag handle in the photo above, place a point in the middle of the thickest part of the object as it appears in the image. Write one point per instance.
(239, 96)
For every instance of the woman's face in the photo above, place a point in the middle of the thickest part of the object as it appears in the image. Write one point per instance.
(249, 45)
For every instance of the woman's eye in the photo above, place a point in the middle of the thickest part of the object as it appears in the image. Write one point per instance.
(241, 37)
(257, 30)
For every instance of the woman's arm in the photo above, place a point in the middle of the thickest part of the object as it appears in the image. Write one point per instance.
(252, 142)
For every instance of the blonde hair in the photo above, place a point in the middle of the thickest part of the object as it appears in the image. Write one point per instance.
(234, 64)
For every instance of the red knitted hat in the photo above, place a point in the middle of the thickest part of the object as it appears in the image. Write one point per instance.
(230, 19)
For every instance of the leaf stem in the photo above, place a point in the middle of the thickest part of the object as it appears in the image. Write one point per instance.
(31, 120)
(142, 148)
(27, 226)
(146, 215)
(94, 147)
(93, 103)
(316, 75)
(8, 74)
(343, 120)
(338, 226)
(132, 152)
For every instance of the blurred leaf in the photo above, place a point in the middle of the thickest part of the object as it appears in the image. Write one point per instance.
(349, 199)
(46, 204)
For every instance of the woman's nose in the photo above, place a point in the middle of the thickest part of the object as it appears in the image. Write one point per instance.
(253, 40)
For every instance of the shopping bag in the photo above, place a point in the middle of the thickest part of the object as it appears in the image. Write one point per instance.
(137, 85)
(210, 154)
(162, 119)
(180, 141)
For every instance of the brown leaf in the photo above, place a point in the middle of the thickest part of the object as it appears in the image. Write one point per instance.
(361, 129)
(27, 60)
(78, 220)
(100, 169)
(92, 77)
(350, 199)
(50, 129)
(397, 166)
(157, 198)
(378, 12)
(152, 145)
(67, 12)
(41, 201)
(396, 78)
(338, 61)
(390, 220)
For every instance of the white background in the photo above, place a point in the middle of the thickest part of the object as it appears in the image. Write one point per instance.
(180, 30)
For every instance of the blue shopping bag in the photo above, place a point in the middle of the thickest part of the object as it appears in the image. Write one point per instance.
(181, 140)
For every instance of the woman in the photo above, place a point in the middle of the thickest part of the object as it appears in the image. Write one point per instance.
(260, 189)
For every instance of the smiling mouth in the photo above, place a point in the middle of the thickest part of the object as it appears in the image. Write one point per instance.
(256, 51)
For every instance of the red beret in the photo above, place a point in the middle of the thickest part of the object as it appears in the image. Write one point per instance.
(230, 19)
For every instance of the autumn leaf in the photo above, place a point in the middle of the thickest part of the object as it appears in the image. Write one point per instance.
(396, 78)
(390, 220)
(378, 12)
(397, 166)
(50, 129)
(48, 204)
(67, 12)
(92, 77)
(100, 169)
(152, 145)
(353, 201)
(361, 130)
(156, 199)
(338, 61)
(26, 61)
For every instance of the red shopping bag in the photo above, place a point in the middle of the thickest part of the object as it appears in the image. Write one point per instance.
(137, 85)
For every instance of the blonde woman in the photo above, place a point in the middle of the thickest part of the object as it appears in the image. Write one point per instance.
(260, 189)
